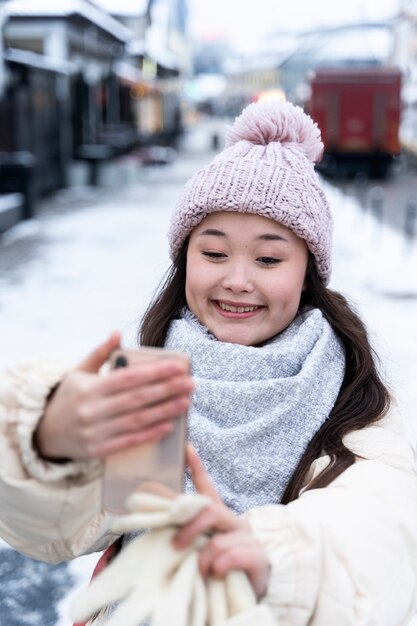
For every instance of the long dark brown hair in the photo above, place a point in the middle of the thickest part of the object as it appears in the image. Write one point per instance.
(363, 397)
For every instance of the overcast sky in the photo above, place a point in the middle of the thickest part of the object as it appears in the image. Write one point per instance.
(245, 20)
(121, 5)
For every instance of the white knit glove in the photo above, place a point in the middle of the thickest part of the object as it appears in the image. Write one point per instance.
(155, 582)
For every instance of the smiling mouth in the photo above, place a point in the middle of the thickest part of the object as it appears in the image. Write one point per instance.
(231, 308)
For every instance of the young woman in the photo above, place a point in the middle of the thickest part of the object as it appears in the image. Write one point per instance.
(315, 489)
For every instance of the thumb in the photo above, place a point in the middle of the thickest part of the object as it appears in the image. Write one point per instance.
(99, 355)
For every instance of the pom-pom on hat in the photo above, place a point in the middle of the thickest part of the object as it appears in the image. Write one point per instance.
(267, 168)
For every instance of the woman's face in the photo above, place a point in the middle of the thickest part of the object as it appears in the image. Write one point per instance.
(245, 275)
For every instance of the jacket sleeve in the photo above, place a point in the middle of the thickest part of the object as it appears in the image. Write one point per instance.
(49, 511)
(347, 554)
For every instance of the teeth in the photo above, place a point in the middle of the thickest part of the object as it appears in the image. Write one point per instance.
(236, 309)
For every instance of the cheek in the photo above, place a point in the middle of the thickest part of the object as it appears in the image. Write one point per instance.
(286, 292)
(201, 277)
(193, 283)
(189, 290)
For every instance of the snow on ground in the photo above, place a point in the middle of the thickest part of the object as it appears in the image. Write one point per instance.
(80, 572)
(96, 271)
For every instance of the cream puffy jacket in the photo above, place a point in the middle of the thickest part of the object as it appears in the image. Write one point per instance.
(344, 555)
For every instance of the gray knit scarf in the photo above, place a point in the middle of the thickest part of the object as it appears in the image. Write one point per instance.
(255, 409)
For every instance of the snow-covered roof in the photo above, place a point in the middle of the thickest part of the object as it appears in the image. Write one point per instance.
(163, 57)
(270, 55)
(67, 9)
(357, 44)
(130, 8)
(354, 43)
(127, 72)
(262, 60)
(26, 57)
(136, 48)
(154, 50)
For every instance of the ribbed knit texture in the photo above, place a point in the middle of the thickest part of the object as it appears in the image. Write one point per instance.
(255, 410)
(267, 169)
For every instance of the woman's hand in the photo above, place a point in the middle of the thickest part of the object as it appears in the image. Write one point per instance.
(92, 415)
(233, 546)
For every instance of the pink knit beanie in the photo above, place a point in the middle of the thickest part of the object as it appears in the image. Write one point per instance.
(267, 168)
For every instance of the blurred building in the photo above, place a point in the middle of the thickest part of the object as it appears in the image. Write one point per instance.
(285, 60)
(79, 83)
(161, 53)
(406, 37)
(107, 49)
(76, 32)
(344, 77)
(61, 101)
(405, 52)
(255, 74)
(350, 45)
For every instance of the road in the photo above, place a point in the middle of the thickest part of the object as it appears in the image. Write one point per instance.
(90, 262)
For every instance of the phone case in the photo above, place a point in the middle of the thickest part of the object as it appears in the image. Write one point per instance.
(156, 467)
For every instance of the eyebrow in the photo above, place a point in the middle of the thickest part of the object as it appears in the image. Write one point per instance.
(264, 237)
(272, 237)
(213, 231)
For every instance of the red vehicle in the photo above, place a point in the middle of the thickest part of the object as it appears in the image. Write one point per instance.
(358, 111)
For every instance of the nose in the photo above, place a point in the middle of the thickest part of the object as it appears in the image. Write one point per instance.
(237, 278)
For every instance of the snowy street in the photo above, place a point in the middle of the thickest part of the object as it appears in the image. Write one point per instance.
(89, 264)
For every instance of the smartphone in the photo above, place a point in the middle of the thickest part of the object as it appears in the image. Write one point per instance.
(155, 467)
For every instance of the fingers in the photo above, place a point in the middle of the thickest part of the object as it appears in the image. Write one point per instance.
(91, 415)
(97, 358)
(102, 449)
(132, 423)
(199, 475)
(237, 550)
(135, 376)
(211, 558)
(108, 423)
(216, 517)
(143, 396)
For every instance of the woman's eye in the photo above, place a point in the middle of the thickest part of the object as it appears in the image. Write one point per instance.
(213, 255)
(268, 260)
